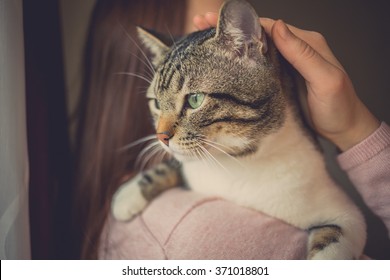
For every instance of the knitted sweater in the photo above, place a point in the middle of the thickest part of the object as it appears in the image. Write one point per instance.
(180, 224)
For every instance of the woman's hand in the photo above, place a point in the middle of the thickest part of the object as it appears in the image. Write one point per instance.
(336, 111)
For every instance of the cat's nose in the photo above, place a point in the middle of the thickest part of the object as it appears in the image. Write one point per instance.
(164, 137)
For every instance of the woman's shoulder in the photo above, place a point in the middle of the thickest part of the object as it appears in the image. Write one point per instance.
(181, 224)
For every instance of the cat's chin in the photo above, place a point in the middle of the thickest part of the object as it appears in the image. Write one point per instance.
(184, 157)
(182, 153)
(191, 156)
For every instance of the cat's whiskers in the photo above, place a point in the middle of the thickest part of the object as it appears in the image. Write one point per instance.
(152, 153)
(199, 154)
(225, 153)
(151, 68)
(237, 135)
(216, 160)
(204, 137)
(150, 71)
(141, 156)
(142, 90)
(146, 150)
(203, 157)
(162, 153)
(134, 75)
(214, 145)
(207, 156)
(138, 142)
(150, 158)
(210, 156)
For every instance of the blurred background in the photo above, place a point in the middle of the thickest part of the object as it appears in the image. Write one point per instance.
(50, 34)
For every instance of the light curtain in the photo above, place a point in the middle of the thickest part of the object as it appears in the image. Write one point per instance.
(14, 219)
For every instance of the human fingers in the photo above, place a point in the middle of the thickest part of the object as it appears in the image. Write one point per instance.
(205, 21)
(268, 23)
(211, 18)
(309, 63)
(200, 22)
(314, 39)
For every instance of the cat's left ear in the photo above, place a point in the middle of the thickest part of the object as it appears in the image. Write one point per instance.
(238, 27)
(155, 43)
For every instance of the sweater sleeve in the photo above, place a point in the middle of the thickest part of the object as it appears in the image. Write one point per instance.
(368, 167)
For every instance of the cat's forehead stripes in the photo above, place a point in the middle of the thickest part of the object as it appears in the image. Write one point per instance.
(174, 60)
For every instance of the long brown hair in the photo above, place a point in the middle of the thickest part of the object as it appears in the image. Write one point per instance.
(112, 108)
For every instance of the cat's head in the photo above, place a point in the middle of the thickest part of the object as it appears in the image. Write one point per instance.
(216, 91)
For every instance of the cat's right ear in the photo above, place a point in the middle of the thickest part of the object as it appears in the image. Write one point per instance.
(154, 43)
(238, 27)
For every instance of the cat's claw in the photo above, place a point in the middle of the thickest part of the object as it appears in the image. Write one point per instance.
(128, 201)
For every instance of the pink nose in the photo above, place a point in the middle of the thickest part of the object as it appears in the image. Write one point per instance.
(164, 137)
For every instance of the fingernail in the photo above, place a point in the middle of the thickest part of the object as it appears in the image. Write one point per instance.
(283, 30)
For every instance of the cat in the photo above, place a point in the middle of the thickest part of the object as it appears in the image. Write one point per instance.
(224, 106)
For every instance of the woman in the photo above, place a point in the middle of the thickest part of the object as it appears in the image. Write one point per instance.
(163, 230)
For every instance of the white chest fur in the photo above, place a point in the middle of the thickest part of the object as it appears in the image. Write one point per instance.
(286, 178)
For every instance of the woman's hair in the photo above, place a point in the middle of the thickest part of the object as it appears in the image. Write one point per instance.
(112, 109)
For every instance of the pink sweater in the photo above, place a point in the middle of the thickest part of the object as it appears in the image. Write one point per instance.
(181, 224)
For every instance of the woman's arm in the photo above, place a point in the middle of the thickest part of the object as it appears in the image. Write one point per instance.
(181, 224)
(368, 167)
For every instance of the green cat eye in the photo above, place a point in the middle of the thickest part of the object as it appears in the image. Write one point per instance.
(195, 100)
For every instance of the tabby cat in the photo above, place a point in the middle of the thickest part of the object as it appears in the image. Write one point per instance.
(224, 107)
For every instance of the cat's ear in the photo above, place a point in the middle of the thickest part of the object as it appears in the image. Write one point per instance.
(238, 27)
(154, 42)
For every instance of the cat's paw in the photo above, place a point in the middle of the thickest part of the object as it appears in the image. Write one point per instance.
(335, 252)
(331, 242)
(128, 201)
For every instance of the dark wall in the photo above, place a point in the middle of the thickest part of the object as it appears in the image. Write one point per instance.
(358, 32)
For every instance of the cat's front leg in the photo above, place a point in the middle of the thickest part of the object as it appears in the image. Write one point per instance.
(134, 195)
